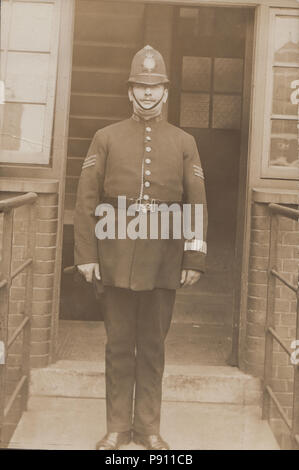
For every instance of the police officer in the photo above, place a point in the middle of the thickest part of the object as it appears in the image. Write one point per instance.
(150, 162)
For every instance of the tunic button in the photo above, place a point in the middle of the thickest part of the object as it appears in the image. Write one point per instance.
(147, 173)
(148, 149)
(148, 129)
(148, 138)
(146, 197)
(147, 184)
(148, 161)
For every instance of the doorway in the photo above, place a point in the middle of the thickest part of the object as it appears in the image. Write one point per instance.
(210, 48)
(206, 99)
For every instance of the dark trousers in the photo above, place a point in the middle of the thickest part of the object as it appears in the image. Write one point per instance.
(136, 324)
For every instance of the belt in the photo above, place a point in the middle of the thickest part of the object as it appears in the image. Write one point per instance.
(142, 205)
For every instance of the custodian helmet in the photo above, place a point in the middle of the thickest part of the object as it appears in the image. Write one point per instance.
(148, 67)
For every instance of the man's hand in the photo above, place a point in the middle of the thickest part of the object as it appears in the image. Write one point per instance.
(189, 277)
(87, 270)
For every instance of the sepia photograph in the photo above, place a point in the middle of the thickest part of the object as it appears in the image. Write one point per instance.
(149, 227)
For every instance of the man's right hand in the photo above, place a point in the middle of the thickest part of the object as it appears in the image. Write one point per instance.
(87, 270)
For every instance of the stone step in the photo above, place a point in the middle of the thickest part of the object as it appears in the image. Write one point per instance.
(188, 344)
(203, 384)
(71, 423)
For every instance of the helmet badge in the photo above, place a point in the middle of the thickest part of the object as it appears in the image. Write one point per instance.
(149, 62)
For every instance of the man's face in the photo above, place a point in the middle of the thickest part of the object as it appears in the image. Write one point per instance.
(148, 95)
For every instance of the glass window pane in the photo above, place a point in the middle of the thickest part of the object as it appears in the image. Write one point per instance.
(226, 112)
(228, 75)
(31, 26)
(23, 127)
(196, 74)
(284, 143)
(287, 39)
(195, 110)
(27, 77)
(282, 90)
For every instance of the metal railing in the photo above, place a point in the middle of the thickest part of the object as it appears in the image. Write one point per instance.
(269, 396)
(7, 207)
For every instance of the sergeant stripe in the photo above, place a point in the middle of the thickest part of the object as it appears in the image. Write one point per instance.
(198, 171)
(86, 165)
(91, 158)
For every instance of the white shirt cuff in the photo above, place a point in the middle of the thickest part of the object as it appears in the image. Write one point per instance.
(195, 245)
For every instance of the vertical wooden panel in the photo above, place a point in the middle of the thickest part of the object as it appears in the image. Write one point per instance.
(243, 207)
(60, 138)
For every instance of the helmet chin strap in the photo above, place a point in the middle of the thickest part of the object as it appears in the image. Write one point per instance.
(147, 109)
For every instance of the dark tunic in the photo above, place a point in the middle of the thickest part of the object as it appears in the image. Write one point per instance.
(150, 160)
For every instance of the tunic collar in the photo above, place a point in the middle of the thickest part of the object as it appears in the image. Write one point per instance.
(139, 119)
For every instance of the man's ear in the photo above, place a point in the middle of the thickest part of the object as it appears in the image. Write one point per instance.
(165, 95)
(130, 93)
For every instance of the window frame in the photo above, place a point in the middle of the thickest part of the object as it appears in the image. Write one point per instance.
(44, 157)
(268, 171)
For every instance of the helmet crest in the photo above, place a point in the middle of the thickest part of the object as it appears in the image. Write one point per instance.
(148, 67)
(149, 62)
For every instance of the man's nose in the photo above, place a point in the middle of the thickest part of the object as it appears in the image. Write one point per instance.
(148, 91)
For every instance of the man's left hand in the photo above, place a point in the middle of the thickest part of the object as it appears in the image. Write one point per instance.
(189, 277)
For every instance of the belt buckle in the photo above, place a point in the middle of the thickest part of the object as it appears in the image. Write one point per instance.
(143, 208)
(147, 206)
(140, 207)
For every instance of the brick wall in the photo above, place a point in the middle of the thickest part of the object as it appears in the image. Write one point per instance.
(285, 305)
(43, 281)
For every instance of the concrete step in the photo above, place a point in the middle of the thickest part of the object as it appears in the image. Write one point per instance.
(74, 424)
(186, 343)
(203, 308)
(202, 384)
(196, 365)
